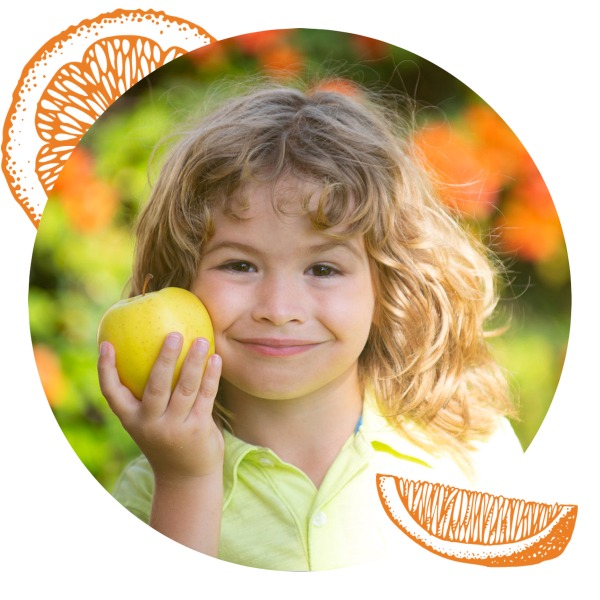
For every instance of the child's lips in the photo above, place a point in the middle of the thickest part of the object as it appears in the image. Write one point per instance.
(278, 346)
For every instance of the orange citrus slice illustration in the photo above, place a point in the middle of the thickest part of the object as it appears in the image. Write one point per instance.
(71, 81)
(476, 527)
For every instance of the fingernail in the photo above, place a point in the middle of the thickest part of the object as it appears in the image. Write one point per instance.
(103, 349)
(201, 344)
(173, 340)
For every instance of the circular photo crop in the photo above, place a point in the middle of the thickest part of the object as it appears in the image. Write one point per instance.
(483, 178)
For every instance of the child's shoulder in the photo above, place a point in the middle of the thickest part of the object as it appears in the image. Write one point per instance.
(409, 453)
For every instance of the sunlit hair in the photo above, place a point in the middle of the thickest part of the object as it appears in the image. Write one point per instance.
(426, 358)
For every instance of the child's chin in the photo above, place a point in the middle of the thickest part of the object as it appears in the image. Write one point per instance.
(276, 393)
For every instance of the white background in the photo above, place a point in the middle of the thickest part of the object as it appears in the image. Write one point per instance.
(536, 65)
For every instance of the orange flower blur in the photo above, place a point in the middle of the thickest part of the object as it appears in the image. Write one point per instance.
(281, 59)
(504, 153)
(89, 202)
(529, 224)
(339, 85)
(466, 182)
(51, 375)
(260, 41)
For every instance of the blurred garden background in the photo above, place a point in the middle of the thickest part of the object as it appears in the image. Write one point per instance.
(82, 255)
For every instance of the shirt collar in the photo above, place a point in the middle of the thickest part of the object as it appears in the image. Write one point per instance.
(382, 436)
(236, 450)
(374, 435)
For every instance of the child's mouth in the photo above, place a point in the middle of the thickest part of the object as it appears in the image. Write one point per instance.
(278, 347)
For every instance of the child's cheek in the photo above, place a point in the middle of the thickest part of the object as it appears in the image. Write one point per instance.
(223, 302)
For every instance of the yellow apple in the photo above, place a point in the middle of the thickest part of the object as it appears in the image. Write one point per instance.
(137, 328)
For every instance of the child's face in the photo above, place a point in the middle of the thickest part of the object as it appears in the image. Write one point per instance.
(291, 307)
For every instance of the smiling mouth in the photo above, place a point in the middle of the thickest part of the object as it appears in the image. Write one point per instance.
(278, 347)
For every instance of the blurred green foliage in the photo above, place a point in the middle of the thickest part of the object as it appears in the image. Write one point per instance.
(82, 256)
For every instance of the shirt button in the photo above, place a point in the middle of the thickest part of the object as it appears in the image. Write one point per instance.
(319, 519)
(266, 462)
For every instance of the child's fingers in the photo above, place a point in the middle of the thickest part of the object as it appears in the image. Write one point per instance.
(119, 398)
(158, 388)
(207, 393)
(190, 377)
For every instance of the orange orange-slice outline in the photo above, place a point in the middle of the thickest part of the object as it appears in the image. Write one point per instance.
(71, 81)
(475, 527)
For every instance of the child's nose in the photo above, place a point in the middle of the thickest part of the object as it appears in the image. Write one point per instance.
(280, 300)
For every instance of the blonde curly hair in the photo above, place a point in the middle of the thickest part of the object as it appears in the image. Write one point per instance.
(426, 360)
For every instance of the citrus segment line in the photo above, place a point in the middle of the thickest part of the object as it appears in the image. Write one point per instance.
(71, 81)
(476, 527)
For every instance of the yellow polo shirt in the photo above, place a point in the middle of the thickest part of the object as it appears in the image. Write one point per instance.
(275, 518)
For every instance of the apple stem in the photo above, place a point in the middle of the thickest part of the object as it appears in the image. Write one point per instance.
(146, 282)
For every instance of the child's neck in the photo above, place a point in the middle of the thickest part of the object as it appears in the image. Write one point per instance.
(307, 432)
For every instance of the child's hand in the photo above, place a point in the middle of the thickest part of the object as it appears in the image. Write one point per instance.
(175, 431)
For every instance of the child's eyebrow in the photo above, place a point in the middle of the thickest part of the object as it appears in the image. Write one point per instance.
(227, 245)
(333, 244)
(311, 250)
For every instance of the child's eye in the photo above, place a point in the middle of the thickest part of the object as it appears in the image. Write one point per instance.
(239, 266)
(322, 270)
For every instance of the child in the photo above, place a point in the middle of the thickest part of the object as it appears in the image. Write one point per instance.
(349, 312)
